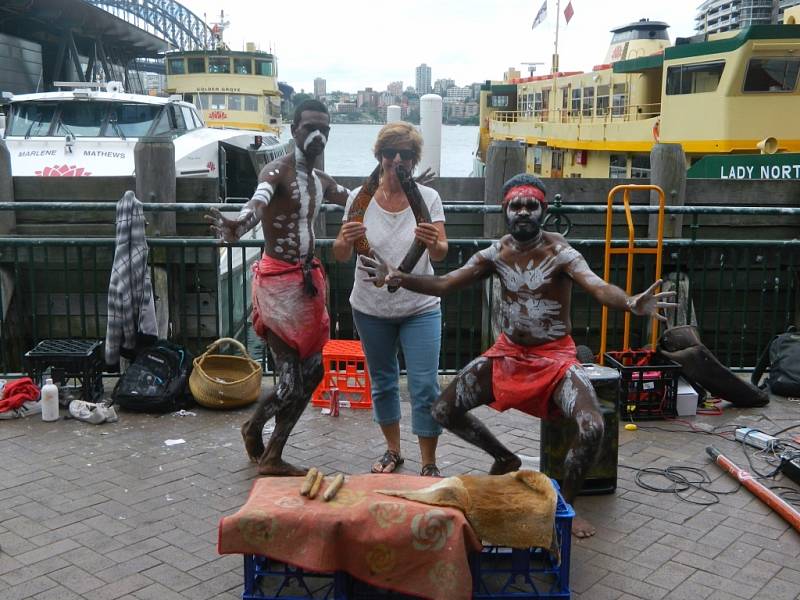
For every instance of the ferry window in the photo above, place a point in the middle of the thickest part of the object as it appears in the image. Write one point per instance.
(695, 78)
(203, 101)
(771, 75)
(588, 101)
(617, 166)
(219, 64)
(132, 120)
(602, 100)
(243, 66)
(180, 123)
(537, 159)
(640, 166)
(576, 101)
(499, 101)
(81, 118)
(187, 117)
(164, 122)
(235, 102)
(251, 103)
(264, 67)
(197, 65)
(176, 66)
(538, 106)
(620, 99)
(198, 122)
(217, 101)
(31, 119)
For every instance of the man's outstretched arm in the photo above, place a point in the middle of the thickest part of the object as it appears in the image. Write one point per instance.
(379, 271)
(647, 303)
(231, 230)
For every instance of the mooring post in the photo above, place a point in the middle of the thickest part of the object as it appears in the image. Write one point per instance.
(668, 171)
(8, 221)
(154, 159)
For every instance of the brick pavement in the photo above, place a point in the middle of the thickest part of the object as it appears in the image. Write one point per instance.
(110, 511)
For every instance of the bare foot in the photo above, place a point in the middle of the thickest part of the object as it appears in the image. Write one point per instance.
(581, 528)
(505, 465)
(279, 468)
(253, 444)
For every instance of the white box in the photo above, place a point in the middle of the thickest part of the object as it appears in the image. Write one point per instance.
(686, 404)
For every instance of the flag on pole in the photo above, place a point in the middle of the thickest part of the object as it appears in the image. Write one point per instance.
(568, 12)
(540, 16)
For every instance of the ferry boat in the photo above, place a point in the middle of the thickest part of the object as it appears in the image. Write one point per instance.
(232, 89)
(730, 95)
(91, 130)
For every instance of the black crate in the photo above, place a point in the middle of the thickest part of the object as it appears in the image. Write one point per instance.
(648, 387)
(72, 359)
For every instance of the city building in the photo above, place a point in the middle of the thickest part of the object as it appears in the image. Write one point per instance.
(345, 107)
(319, 87)
(395, 88)
(423, 79)
(512, 73)
(442, 85)
(459, 93)
(367, 98)
(714, 16)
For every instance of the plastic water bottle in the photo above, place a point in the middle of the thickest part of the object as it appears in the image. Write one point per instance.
(49, 401)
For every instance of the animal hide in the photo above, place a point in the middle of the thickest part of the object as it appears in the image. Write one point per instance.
(515, 510)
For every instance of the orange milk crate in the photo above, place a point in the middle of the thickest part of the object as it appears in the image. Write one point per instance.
(345, 370)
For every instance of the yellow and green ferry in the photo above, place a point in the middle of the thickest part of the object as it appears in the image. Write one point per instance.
(723, 95)
(232, 89)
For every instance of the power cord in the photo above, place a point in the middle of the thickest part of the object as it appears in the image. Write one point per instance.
(679, 482)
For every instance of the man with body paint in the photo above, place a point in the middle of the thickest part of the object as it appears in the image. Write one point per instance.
(533, 365)
(289, 304)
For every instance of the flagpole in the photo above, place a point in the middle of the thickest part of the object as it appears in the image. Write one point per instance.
(555, 61)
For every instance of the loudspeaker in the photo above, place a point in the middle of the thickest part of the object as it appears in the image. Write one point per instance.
(556, 437)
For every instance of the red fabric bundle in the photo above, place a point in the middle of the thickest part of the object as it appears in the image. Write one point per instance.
(17, 392)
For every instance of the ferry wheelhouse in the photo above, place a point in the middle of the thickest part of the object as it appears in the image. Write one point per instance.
(231, 89)
(91, 129)
(730, 93)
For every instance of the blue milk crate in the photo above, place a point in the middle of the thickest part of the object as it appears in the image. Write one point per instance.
(497, 572)
(500, 572)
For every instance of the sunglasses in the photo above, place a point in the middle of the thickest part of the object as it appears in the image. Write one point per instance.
(390, 153)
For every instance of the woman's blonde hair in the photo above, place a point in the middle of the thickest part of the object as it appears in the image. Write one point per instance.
(396, 133)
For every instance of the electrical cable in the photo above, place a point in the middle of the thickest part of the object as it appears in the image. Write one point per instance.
(680, 482)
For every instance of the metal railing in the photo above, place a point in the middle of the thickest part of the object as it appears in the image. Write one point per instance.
(739, 292)
(596, 115)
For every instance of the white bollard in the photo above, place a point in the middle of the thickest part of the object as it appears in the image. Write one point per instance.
(393, 113)
(430, 120)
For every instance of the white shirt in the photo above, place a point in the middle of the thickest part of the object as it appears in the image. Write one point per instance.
(391, 234)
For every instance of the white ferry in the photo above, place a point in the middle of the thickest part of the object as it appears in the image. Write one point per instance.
(91, 130)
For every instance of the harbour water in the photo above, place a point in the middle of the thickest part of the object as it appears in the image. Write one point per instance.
(349, 151)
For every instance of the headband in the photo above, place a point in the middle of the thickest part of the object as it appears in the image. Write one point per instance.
(525, 191)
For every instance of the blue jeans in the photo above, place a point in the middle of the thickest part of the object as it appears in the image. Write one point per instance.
(420, 337)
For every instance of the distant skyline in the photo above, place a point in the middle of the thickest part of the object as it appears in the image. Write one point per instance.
(363, 43)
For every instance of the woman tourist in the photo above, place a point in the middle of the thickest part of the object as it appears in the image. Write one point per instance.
(378, 218)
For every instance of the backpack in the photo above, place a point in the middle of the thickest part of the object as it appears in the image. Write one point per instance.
(156, 381)
(782, 357)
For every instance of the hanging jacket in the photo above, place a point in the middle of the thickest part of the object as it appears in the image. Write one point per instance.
(131, 306)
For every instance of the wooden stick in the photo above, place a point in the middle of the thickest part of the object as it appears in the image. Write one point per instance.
(311, 477)
(333, 488)
(317, 483)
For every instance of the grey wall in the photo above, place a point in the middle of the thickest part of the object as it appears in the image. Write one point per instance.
(20, 65)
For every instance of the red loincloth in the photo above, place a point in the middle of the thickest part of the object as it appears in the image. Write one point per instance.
(525, 377)
(280, 305)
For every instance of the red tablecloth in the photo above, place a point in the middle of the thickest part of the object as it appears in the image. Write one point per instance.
(388, 542)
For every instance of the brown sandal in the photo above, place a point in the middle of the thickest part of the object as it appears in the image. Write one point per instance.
(389, 458)
(430, 470)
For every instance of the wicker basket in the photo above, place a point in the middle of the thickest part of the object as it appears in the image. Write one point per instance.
(222, 381)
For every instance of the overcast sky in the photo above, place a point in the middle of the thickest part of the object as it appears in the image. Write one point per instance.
(368, 43)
